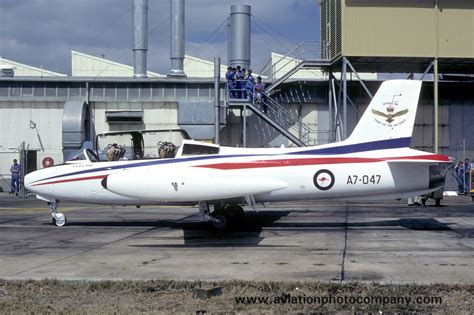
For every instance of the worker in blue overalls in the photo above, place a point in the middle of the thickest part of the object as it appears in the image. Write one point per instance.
(230, 77)
(249, 85)
(239, 81)
(15, 177)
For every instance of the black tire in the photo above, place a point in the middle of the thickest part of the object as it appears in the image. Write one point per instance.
(223, 222)
(438, 202)
(232, 213)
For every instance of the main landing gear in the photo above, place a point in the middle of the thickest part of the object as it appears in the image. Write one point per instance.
(223, 216)
(58, 218)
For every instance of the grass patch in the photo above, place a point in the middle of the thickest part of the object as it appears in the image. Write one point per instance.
(165, 296)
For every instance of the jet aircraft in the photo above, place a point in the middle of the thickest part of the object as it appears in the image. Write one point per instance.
(374, 163)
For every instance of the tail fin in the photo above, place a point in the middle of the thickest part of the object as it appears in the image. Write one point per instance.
(390, 114)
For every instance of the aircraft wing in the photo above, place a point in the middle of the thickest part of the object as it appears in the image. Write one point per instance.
(187, 184)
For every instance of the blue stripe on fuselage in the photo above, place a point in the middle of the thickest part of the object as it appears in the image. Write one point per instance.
(140, 164)
(361, 147)
(344, 149)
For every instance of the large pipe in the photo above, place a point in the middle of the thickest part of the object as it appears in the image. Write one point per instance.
(177, 38)
(344, 99)
(239, 36)
(217, 98)
(140, 37)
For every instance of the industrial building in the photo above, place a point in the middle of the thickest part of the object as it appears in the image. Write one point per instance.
(317, 91)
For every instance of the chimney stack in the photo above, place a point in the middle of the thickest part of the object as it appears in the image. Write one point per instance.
(140, 37)
(239, 36)
(177, 38)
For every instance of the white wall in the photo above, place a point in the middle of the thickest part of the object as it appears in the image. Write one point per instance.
(15, 126)
(15, 120)
(84, 65)
(200, 68)
(22, 70)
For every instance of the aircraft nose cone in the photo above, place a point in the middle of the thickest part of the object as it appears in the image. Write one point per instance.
(27, 181)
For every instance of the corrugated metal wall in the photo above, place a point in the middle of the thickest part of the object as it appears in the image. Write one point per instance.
(406, 28)
(330, 28)
(456, 28)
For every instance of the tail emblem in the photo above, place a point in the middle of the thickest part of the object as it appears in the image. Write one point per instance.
(390, 108)
(389, 117)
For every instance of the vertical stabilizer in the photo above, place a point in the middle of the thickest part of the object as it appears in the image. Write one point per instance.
(390, 114)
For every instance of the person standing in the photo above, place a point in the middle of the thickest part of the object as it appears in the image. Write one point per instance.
(15, 177)
(467, 175)
(260, 96)
(459, 177)
(249, 85)
(239, 81)
(229, 76)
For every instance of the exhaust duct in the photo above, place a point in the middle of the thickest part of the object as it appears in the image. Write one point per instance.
(239, 36)
(177, 38)
(140, 38)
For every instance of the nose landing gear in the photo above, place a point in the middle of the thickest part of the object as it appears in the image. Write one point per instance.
(219, 221)
(58, 218)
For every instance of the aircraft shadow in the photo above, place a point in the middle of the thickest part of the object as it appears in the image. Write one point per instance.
(247, 232)
(251, 222)
(422, 224)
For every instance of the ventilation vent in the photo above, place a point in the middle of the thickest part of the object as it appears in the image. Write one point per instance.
(124, 116)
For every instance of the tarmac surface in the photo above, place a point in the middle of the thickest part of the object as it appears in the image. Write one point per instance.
(321, 240)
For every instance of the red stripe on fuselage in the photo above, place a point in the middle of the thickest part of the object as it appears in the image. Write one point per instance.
(432, 157)
(72, 180)
(286, 162)
(315, 161)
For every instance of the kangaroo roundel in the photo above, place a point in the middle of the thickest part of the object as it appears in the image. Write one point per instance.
(323, 179)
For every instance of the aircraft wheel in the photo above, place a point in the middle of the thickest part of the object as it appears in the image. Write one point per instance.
(59, 219)
(438, 202)
(232, 213)
(221, 224)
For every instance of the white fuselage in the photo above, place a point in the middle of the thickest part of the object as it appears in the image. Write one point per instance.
(266, 174)
(375, 162)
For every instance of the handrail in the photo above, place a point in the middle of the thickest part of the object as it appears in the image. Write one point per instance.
(279, 114)
(294, 138)
(303, 51)
(283, 58)
(273, 110)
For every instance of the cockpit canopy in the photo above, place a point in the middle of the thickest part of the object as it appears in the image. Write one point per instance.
(146, 144)
(139, 145)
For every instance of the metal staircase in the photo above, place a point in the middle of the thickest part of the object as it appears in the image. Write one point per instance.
(307, 55)
(279, 117)
(305, 64)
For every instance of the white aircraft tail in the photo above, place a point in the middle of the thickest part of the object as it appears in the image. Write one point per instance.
(390, 114)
